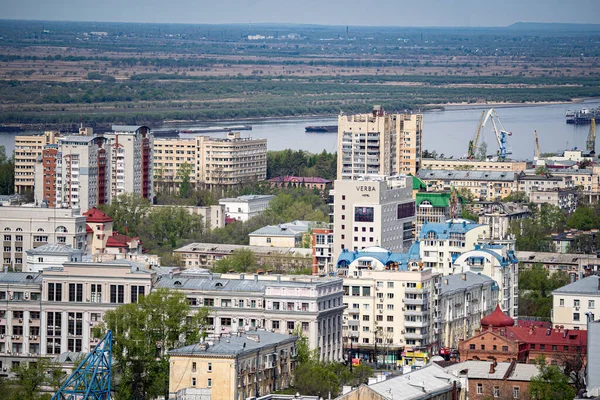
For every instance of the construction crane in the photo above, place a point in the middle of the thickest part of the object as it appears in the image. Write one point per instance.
(590, 144)
(537, 145)
(501, 134)
(473, 143)
(92, 379)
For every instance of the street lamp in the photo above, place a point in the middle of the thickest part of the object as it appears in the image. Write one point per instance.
(349, 339)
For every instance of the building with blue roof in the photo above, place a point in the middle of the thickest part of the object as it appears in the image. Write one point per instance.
(498, 263)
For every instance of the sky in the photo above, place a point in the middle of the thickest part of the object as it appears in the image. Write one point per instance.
(470, 13)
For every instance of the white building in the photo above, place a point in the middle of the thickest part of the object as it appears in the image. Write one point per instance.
(572, 303)
(290, 234)
(463, 300)
(373, 210)
(242, 208)
(389, 299)
(441, 243)
(500, 264)
(279, 303)
(25, 228)
(52, 255)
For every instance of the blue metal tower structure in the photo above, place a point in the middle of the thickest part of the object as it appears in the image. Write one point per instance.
(91, 380)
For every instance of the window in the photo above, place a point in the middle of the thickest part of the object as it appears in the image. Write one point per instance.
(364, 214)
(479, 388)
(483, 347)
(268, 240)
(561, 302)
(193, 367)
(209, 302)
(194, 379)
(406, 210)
(209, 367)
(390, 285)
(505, 348)
(390, 318)
(472, 347)
(54, 291)
(290, 325)
(117, 294)
(275, 324)
(576, 303)
(209, 382)
(96, 290)
(365, 317)
(542, 347)
(137, 292)
(532, 346)
(76, 292)
(591, 303)
(576, 316)
(496, 391)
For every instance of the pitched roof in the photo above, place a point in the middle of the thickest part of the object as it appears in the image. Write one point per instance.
(118, 240)
(88, 229)
(451, 283)
(497, 319)
(588, 285)
(127, 128)
(53, 248)
(505, 176)
(299, 179)
(481, 370)
(95, 215)
(382, 255)
(443, 230)
(548, 336)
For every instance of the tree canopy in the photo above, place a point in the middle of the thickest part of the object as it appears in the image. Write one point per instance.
(551, 383)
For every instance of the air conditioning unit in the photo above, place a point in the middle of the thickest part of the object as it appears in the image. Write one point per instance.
(21, 320)
(576, 308)
(403, 331)
(35, 338)
(26, 295)
(381, 300)
(30, 320)
(380, 311)
(30, 337)
(4, 368)
(1, 336)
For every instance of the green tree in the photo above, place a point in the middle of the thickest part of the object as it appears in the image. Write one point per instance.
(166, 225)
(31, 377)
(585, 218)
(128, 213)
(517, 197)
(535, 290)
(184, 174)
(468, 214)
(551, 383)
(239, 261)
(7, 173)
(143, 333)
(482, 151)
(466, 195)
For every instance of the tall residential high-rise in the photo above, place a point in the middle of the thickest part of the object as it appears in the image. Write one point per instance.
(374, 210)
(27, 151)
(379, 143)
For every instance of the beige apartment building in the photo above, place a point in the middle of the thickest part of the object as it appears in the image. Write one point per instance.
(474, 165)
(483, 185)
(25, 228)
(374, 210)
(378, 143)
(572, 303)
(215, 162)
(27, 150)
(234, 367)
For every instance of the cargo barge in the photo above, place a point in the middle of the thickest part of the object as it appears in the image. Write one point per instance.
(210, 129)
(322, 129)
(582, 117)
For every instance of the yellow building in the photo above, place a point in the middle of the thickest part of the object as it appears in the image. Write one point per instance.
(483, 185)
(473, 165)
(235, 366)
(409, 134)
(27, 151)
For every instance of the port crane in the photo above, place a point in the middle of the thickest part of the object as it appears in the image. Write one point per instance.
(590, 144)
(501, 134)
(537, 145)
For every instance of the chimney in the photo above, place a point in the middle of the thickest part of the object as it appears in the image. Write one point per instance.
(242, 276)
(445, 281)
(278, 278)
(492, 368)
(255, 277)
(171, 274)
(464, 276)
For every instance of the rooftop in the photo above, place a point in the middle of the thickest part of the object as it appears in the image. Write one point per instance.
(497, 319)
(246, 198)
(589, 285)
(248, 342)
(21, 277)
(77, 139)
(299, 179)
(436, 199)
(443, 230)
(382, 255)
(465, 280)
(481, 370)
(288, 229)
(127, 128)
(554, 258)
(53, 248)
(95, 215)
(222, 249)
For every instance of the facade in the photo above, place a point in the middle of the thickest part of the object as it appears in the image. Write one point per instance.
(205, 255)
(572, 303)
(463, 300)
(483, 185)
(499, 339)
(54, 312)
(436, 207)
(320, 184)
(500, 264)
(576, 265)
(237, 366)
(593, 359)
(429, 383)
(474, 165)
(322, 251)
(242, 208)
(499, 216)
(366, 145)
(214, 162)
(212, 216)
(99, 227)
(565, 199)
(290, 234)
(51, 255)
(441, 243)
(25, 228)
(379, 143)
(490, 379)
(373, 211)
(278, 303)
(389, 299)
(27, 150)
(558, 190)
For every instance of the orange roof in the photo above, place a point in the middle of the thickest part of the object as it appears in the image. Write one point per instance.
(95, 215)
(497, 319)
(88, 229)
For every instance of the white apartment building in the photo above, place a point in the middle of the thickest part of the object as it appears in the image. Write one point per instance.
(278, 303)
(373, 210)
(27, 150)
(572, 303)
(389, 299)
(462, 301)
(499, 216)
(242, 208)
(409, 135)
(441, 243)
(498, 263)
(25, 228)
(51, 255)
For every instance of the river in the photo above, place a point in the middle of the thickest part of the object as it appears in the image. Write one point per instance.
(446, 132)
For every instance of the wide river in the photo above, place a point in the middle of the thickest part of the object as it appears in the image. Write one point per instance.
(446, 132)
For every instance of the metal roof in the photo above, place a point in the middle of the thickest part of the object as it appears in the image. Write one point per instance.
(235, 345)
(246, 198)
(506, 176)
(20, 277)
(217, 283)
(455, 282)
(52, 248)
(223, 249)
(288, 229)
(382, 255)
(588, 285)
(127, 128)
(444, 229)
(481, 370)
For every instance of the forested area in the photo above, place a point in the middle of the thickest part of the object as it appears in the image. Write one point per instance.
(301, 163)
(7, 173)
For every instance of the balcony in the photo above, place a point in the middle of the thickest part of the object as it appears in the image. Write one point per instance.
(414, 302)
(417, 336)
(416, 312)
(354, 311)
(415, 324)
(414, 290)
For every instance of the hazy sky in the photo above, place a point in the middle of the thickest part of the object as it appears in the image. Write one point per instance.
(330, 12)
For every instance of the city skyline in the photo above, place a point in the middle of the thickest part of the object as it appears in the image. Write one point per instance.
(428, 13)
